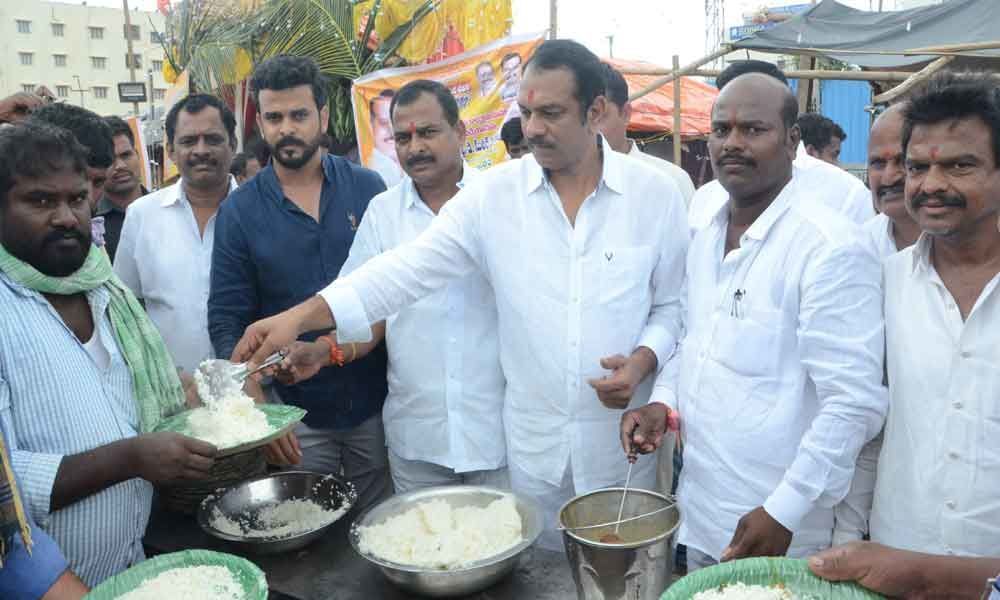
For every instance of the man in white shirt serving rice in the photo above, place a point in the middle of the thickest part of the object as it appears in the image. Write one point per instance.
(778, 382)
(586, 273)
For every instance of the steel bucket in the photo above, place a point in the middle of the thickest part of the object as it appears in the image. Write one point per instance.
(639, 568)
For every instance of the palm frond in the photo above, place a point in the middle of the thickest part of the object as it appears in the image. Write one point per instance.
(320, 29)
(391, 44)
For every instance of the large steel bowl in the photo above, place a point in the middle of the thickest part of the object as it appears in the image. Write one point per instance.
(441, 583)
(248, 498)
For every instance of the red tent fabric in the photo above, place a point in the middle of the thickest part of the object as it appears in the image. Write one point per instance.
(654, 112)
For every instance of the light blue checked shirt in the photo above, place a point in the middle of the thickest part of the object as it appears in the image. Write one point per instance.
(55, 402)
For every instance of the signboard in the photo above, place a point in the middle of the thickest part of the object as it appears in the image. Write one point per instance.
(132, 91)
(484, 82)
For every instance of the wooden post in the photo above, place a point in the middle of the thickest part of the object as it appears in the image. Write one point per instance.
(805, 85)
(131, 57)
(553, 19)
(913, 81)
(677, 112)
(722, 51)
(794, 74)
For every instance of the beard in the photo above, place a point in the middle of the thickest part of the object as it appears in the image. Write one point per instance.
(308, 151)
(56, 256)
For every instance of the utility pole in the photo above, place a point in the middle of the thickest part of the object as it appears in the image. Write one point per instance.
(79, 88)
(130, 57)
(553, 19)
(611, 45)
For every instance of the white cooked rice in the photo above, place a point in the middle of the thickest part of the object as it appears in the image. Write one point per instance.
(742, 591)
(189, 583)
(280, 520)
(230, 421)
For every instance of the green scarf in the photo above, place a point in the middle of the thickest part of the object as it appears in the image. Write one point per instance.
(158, 390)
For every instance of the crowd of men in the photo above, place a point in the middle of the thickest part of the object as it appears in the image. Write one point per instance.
(526, 327)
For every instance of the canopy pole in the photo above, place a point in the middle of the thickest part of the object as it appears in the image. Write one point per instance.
(913, 81)
(794, 74)
(677, 112)
(722, 51)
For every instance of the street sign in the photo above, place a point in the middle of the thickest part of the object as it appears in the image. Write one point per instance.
(132, 91)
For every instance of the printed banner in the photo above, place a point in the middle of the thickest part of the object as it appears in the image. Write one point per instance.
(140, 148)
(484, 82)
(180, 89)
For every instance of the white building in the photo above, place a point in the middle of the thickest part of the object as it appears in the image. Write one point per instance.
(79, 52)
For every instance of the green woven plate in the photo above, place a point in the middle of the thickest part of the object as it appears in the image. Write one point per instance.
(793, 574)
(282, 417)
(244, 571)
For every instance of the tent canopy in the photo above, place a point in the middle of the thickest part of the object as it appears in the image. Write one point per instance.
(654, 112)
(846, 34)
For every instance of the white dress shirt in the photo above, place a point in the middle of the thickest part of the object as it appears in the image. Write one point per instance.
(679, 175)
(446, 387)
(567, 295)
(938, 485)
(822, 183)
(778, 383)
(878, 235)
(388, 169)
(167, 263)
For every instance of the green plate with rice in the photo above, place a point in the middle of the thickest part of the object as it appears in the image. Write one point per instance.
(246, 574)
(281, 417)
(792, 574)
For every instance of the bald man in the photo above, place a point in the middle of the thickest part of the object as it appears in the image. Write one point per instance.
(778, 380)
(893, 229)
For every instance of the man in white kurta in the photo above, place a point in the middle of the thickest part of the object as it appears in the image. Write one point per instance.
(778, 383)
(587, 286)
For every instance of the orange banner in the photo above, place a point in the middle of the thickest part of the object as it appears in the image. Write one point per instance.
(484, 82)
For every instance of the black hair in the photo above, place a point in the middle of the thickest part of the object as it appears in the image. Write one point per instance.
(387, 93)
(743, 67)
(789, 109)
(511, 132)
(587, 69)
(509, 56)
(818, 130)
(239, 165)
(409, 93)
(194, 104)
(120, 127)
(33, 149)
(955, 95)
(259, 149)
(285, 71)
(87, 127)
(616, 88)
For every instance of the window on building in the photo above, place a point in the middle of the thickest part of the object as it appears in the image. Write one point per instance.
(155, 38)
(131, 31)
(136, 61)
(28, 87)
(58, 30)
(23, 26)
(98, 62)
(159, 94)
(62, 91)
(27, 58)
(96, 33)
(59, 59)
(157, 66)
(100, 92)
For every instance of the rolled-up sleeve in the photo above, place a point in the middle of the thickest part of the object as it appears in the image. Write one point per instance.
(35, 471)
(27, 576)
(841, 341)
(664, 325)
(233, 302)
(448, 249)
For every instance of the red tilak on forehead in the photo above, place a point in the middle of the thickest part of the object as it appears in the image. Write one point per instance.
(531, 95)
(934, 152)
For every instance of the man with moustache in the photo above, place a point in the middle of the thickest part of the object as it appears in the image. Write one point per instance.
(829, 186)
(123, 185)
(443, 416)
(893, 229)
(84, 375)
(174, 283)
(937, 488)
(279, 239)
(586, 274)
(778, 380)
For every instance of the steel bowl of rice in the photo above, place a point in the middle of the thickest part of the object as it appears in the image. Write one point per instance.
(276, 513)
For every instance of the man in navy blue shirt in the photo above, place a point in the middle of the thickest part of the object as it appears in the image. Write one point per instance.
(278, 240)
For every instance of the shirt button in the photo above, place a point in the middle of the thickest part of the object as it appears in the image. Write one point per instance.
(966, 354)
(953, 455)
(950, 504)
(957, 404)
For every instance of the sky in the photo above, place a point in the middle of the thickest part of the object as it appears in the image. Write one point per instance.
(650, 30)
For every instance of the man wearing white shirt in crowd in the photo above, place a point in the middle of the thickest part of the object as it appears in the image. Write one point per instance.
(615, 129)
(778, 382)
(165, 251)
(586, 274)
(826, 184)
(444, 413)
(893, 229)
(938, 483)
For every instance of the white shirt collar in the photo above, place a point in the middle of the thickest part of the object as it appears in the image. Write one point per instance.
(759, 228)
(411, 197)
(611, 170)
(175, 193)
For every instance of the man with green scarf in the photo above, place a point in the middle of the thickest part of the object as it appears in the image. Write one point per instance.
(84, 375)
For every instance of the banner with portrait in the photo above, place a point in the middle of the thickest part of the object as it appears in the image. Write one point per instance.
(484, 82)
